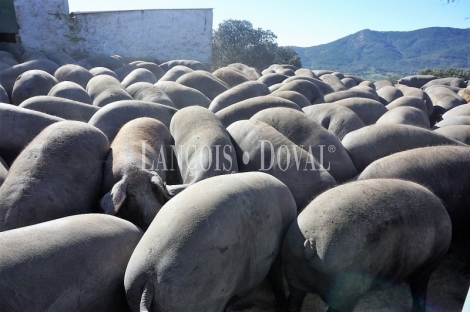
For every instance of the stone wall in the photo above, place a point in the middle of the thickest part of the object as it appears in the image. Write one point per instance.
(154, 35)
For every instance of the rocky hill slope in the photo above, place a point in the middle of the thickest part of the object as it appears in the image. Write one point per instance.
(371, 53)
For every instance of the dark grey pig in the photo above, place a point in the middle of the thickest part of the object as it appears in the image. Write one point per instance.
(58, 174)
(202, 145)
(75, 263)
(354, 237)
(201, 252)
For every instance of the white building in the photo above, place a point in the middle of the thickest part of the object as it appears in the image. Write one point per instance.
(153, 35)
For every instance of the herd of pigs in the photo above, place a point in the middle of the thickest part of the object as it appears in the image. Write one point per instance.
(145, 187)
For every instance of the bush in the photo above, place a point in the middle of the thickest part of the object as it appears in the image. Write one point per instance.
(444, 73)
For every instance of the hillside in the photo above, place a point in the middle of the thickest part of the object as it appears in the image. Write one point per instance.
(377, 54)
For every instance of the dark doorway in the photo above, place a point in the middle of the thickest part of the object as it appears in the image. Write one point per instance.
(5, 37)
(8, 23)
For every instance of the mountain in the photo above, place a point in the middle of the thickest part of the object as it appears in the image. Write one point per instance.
(378, 54)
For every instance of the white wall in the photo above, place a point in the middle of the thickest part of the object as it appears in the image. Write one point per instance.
(156, 35)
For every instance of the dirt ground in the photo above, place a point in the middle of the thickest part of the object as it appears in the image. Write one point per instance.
(446, 293)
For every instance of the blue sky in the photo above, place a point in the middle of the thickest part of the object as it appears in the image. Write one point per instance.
(306, 23)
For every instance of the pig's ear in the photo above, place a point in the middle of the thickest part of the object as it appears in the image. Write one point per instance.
(168, 191)
(158, 181)
(173, 190)
(114, 199)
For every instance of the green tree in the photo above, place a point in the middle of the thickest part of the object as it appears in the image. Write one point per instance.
(236, 41)
(286, 55)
